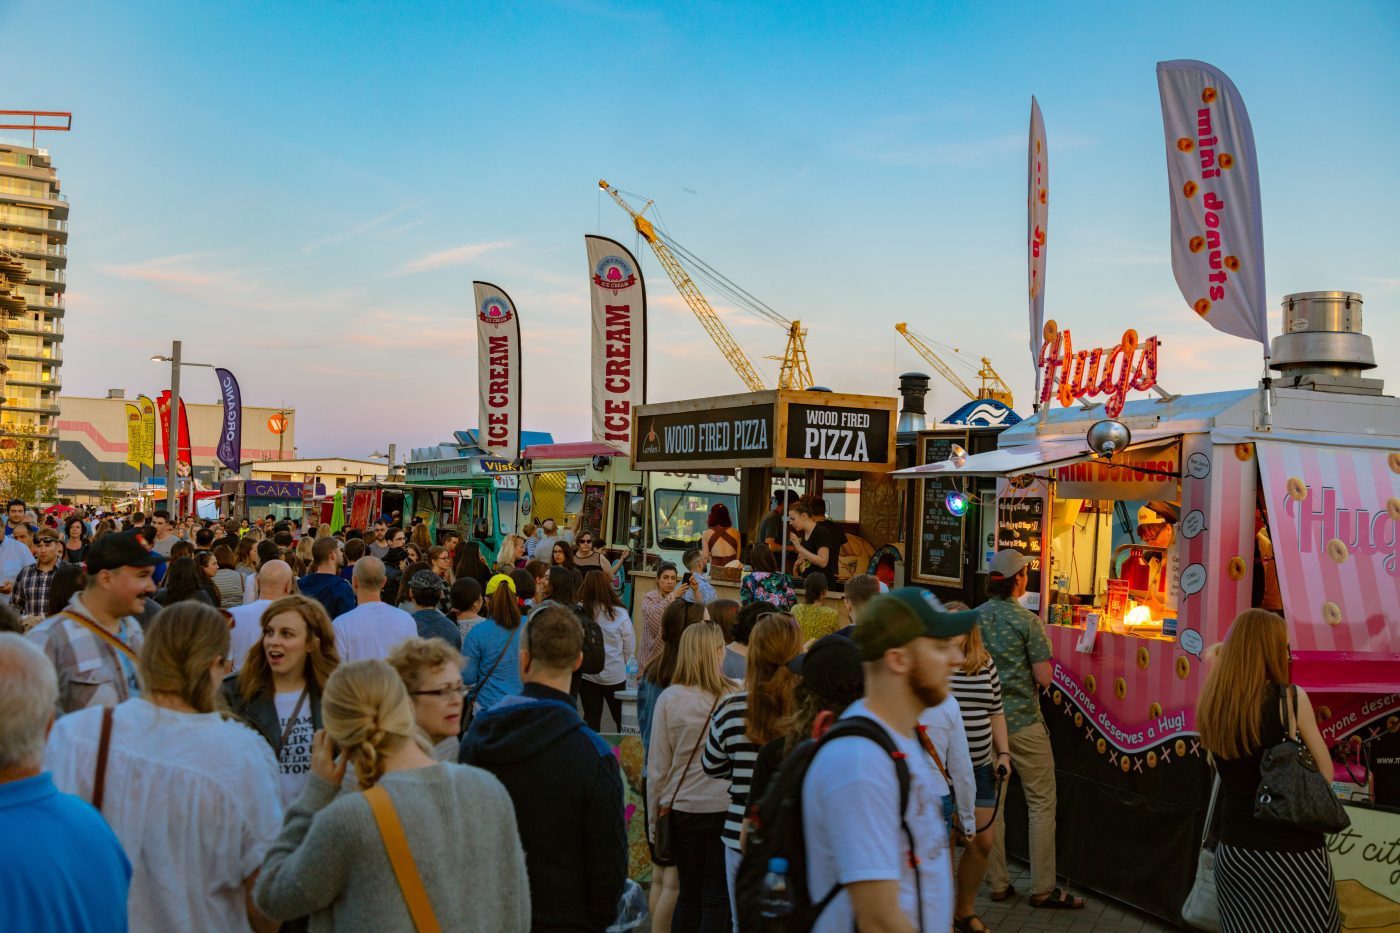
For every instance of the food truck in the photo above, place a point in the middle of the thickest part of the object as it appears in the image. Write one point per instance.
(842, 445)
(1152, 524)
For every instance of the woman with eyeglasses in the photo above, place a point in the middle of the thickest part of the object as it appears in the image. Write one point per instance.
(191, 795)
(278, 690)
(586, 559)
(431, 669)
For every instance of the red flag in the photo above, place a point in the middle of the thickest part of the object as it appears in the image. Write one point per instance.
(163, 407)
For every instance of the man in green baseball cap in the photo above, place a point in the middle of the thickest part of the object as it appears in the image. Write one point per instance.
(887, 860)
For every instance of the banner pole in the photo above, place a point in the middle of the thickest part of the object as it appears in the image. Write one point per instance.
(172, 501)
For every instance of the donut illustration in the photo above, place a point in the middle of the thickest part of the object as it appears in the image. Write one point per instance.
(1183, 667)
(1101, 745)
(1186, 144)
(1196, 243)
(1152, 759)
(1324, 713)
(1392, 508)
(1120, 688)
(1232, 263)
(1125, 764)
(1050, 331)
(1037, 147)
(1143, 658)
(1331, 613)
(1297, 489)
(1090, 683)
(1243, 452)
(1202, 306)
(1226, 160)
(1078, 720)
(1154, 710)
(1189, 189)
(1393, 723)
(1394, 461)
(1180, 747)
(1056, 697)
(1208, 96)
(1337, 550)
(1236, 568)
(1042, 195)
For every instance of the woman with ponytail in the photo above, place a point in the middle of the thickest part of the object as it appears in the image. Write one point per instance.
(492, 648)
(191, 795)
(331, 863)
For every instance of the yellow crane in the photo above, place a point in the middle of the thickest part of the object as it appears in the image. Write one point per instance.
(993, 386)
(794, 372)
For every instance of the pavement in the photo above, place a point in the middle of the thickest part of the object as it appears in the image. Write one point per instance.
(1099, 913)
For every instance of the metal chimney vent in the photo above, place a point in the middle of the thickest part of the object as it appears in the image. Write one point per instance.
(912, 389)
(1322, 346)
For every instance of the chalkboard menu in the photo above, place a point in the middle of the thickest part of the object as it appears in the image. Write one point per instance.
(939, 534)
(1020, 525)
(594, 509)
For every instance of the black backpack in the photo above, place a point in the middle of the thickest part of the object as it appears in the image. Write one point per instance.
(775, 831)
(595, 654)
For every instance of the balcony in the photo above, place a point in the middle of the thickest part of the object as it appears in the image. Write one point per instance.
(44, 224)
(49, 353)
(30, 405)
(49, 327)
(33, 380)
(55, 277)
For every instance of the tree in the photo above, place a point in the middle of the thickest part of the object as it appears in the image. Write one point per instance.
(29, 466)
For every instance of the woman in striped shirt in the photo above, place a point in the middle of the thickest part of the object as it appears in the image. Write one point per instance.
(977, 689)
(745, 721)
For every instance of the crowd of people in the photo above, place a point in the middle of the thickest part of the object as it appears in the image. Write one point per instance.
(210, 726)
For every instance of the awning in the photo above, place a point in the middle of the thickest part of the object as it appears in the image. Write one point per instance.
(1039, 457)
(574, 450)
(1334, 546)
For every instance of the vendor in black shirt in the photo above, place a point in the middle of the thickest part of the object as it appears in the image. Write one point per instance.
(837, 535)
(813, 541)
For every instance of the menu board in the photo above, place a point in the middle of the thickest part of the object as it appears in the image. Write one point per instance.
(1021, 526)
(594, 509)
(939, 535)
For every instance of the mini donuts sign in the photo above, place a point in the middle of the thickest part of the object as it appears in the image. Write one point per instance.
(1217, 227)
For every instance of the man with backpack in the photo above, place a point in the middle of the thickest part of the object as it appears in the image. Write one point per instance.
(871, 851)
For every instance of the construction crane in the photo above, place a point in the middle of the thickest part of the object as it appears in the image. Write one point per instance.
(993, 386)
(794, 371)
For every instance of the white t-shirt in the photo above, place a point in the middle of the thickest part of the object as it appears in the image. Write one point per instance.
(193, 799)
(247, 630)
(371, 631)
(944, 725)
(619, 644)
(851, 820)
(295, 757)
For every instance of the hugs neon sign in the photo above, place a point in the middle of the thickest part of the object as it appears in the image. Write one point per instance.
(1109, 371)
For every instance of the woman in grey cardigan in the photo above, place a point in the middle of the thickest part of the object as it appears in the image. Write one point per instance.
(330, 861)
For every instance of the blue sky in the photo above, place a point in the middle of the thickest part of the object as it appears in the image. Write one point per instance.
(305, 192)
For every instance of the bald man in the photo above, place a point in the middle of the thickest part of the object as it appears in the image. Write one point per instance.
(275, 580)
(373, 628)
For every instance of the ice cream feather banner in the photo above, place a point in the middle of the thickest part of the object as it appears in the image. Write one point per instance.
(148, 431)
(1217, 225)
(619, 357)
(1038, 209)
(231, 426)
(135, 437)
(498, 370)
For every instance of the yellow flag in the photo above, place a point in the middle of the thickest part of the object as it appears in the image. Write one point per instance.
(148, 432)
(135, 436)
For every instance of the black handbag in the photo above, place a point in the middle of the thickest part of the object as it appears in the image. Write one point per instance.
(1292, 791)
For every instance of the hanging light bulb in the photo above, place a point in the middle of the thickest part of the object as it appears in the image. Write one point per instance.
(957, 456)
(956, 503)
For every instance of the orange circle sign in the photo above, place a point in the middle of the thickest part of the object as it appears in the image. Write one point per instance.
(277, 424)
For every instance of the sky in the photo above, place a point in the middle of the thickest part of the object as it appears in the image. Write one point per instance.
(304, 193)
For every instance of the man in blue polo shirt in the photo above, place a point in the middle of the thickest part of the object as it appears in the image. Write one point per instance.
(62, 867)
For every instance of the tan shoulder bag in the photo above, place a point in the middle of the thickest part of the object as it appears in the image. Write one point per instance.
(405, 869)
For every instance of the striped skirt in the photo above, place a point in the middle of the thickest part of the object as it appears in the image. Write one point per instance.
(1270, 892)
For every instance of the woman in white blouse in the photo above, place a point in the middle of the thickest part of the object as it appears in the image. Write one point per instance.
(192, 796)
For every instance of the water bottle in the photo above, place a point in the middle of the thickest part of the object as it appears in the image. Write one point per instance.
(776, 900)
(632, 670)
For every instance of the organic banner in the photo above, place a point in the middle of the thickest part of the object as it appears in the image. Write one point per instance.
(148, 431)
(231, 427)
(619, 339)
(498, 370)
(135, 437)
(183, 459)
(1217, 227)
(1038, 209)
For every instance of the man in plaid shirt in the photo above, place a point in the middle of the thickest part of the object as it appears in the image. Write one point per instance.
(31, 592)
(94, 642)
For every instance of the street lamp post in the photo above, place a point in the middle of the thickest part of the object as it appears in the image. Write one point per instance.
(172, 501)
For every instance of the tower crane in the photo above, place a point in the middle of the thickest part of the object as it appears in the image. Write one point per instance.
(993, 386)
(794, 372)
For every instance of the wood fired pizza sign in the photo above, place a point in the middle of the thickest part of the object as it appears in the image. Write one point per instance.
(1071, 375)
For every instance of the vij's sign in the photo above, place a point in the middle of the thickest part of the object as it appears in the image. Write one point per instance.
(1070, 374)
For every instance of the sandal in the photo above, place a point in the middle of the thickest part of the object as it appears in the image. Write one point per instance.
(1058, 900)
(1000, 896)
(964, 924)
